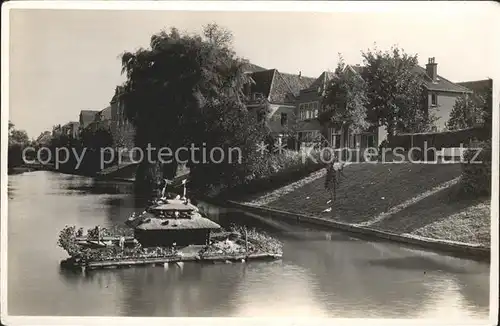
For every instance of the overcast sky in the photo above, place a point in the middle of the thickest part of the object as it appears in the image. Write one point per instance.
(63, 61)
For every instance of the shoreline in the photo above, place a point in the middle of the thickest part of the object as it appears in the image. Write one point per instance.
(466, 250)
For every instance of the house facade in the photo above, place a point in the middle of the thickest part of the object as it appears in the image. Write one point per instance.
(122, 130)
(272, 98)
(441, 94)
(311, 132)
(87, 117)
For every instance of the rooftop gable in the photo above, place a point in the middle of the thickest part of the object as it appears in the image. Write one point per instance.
(87, 116)
(441, 84)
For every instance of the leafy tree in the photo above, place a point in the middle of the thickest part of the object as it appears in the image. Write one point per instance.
(467, 112)
(395, 97)
(172, 85)
(17, 136)
(344, 104)
(93, 140)
(473, 110)
(18, 140)
(229, 126)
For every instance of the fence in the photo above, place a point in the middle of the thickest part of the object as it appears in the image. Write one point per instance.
(439, 140)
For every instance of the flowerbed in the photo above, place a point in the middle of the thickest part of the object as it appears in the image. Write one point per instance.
(116, 254)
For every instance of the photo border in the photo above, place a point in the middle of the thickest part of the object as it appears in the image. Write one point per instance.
(488, 9)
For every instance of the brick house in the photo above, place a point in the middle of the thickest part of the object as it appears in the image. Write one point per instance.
(272, 95)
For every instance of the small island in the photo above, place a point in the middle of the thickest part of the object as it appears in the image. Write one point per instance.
(171, 231)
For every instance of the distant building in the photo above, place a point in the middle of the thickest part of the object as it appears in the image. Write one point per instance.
(121, 128)
(87, 117)
(71, 129)
(482, 88)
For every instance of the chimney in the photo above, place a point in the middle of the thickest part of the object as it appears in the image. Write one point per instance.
(300, 74)
(431, 69)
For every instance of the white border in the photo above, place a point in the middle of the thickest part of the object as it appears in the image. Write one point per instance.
(288, 6)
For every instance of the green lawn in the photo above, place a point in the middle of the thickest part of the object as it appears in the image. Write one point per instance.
(367, 190)
(443, 216)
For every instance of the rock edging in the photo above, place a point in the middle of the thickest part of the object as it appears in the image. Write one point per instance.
(457, 248)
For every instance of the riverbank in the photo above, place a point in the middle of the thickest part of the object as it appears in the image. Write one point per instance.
(417, 202)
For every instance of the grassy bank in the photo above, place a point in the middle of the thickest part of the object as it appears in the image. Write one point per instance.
(416, 199)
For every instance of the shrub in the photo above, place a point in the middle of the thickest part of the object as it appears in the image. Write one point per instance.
(67, 241)
(476, 177)
(274, 170)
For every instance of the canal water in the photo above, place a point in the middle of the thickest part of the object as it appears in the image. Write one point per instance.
(335, 276)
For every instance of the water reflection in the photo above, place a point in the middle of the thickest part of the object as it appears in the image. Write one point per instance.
(340, 277)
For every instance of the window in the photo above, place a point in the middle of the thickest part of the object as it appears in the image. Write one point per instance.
(315, 109)
(284, 119)
(434, 99)
(370, 141)
(335, 140)
(308, 110)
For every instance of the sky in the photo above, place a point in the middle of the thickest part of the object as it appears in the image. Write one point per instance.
(64, 61)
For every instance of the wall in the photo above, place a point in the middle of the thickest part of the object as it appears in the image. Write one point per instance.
(122, 130)
(307, 96)
(274, 117)
(445, 102)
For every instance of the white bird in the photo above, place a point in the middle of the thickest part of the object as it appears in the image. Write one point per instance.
(329, 209)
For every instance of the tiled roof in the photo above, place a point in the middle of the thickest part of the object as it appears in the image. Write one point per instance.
(442, 84)
(71, 123)
(295, 83)
(322, 81)
(279, 87)
(105, 114)
(87, 116)
(152, 222)
(250, 67)
(478, 86)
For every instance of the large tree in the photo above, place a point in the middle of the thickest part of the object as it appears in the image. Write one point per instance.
(345, 100)
(171, 85)
(395, 91)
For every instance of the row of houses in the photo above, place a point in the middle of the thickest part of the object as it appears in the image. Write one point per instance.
(286, 102)
(294, 102)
